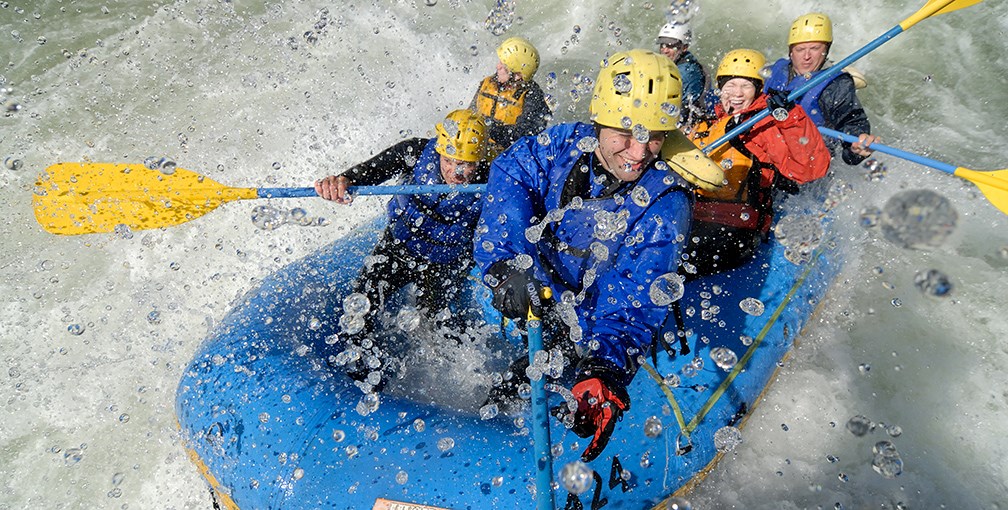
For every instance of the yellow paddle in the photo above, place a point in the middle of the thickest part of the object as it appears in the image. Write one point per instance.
(89, 198)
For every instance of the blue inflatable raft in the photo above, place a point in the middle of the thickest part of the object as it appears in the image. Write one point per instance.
(271, 425)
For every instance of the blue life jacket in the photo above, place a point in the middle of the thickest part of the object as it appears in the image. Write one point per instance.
(438, 227)
(810, 101)
(616, 314)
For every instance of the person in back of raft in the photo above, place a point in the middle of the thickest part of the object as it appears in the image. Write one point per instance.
(674, 40)
(511, 103)
(590, 212)
(834, 103)
(781, 151)
(428, 240)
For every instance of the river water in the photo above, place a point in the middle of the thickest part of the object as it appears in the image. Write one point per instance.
(95, 330)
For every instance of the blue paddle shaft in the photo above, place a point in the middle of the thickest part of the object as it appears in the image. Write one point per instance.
(909, 156)
(799, 92)
(540, 424)
(406, 189)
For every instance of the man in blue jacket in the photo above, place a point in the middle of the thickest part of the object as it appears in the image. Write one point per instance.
(590, 211)
(429, 237)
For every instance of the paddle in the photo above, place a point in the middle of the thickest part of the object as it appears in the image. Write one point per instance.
(89, 198)
(993, 183)
(542, 455)
(932, 8)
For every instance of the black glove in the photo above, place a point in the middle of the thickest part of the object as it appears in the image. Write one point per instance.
(600, 406)
(514, 290)
(779, 104)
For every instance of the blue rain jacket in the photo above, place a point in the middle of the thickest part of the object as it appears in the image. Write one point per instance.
(582, 252)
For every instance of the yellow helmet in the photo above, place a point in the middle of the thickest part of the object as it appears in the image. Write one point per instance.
(519, 56)
(637, 87)
(462, 136)
(812, 27)
(742, 62)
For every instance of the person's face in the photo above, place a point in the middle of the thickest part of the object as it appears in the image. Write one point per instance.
(808, 56)
(455, 171)
(503, 74)
(672, 51)
(625, 157)
(737, 94)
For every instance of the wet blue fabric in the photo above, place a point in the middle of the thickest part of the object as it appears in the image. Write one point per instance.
(610, 270)
(438, 227)
(810, 101)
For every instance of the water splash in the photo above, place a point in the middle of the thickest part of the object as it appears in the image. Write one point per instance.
(727, 438)
(501, 17)
(800, 235)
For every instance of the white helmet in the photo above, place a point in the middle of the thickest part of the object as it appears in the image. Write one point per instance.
(678, 31)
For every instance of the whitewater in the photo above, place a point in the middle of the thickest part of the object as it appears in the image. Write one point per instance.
(95, 330)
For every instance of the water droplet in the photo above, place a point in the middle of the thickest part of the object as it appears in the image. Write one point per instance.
(859, 425)
(652, 427)
(576, 477)
(314, 324)
(671, 381)
(12, 163)
(587, 144)
(887, 461)
(752, 306)
(408, 319)
(870, 217)
(154, 317)
(419, 425)
(676, 503)
(338, 435)
(933, 283)
(356, 304)
(75, 329)
(727, 438)
(918, 219)
(73, 455)
(264, 417)
(489, 412)
(640, 196)
(124, 418)
(875, 170)
(266, 217)
(622, 84)
(666, 289)
(724, 358)
(445, 443)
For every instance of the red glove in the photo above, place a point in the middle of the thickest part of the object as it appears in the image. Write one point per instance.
(599, 408)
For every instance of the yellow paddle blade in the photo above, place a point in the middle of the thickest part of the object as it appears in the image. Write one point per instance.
(89, 198)
(993, 184)
(935, 7)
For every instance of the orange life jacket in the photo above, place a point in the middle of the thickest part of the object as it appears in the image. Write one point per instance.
(744, 201)
(504, 106)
